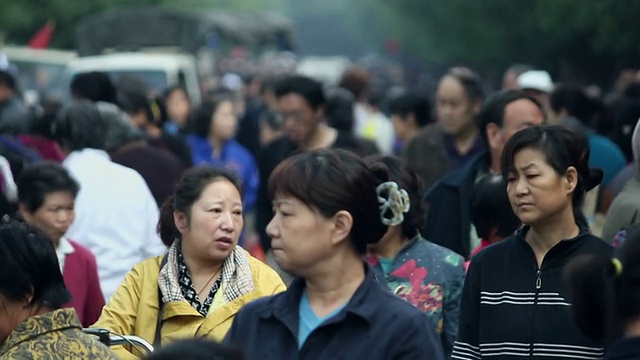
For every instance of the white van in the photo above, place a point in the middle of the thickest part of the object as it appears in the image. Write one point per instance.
(38, 70)
(158, 70)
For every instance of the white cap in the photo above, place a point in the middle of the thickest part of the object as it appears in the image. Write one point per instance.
(232, 82)
(536, 80)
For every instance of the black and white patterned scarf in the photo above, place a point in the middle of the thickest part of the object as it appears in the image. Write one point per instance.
(235, 280)
(189, 292)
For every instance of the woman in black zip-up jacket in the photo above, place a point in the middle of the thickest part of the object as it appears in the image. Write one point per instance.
(514, 302)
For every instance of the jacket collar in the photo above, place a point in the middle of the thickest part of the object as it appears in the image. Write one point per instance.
(86, 155)
(559, 253)
(286, 307)
(459, 177)
(41, 324)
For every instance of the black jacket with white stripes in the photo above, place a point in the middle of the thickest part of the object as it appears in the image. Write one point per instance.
(512, 309)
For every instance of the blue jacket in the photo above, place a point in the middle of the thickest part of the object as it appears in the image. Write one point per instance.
(373, 325)
(449, 203)
(234, 157)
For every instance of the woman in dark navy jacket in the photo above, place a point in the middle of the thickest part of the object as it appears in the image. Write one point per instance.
(327, 211)
(605, 292)
(514, 302)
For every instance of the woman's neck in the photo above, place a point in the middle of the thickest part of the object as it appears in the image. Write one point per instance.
(216, 145)
(199, 267)
(334, 285)
(543, 237)
(391, 243)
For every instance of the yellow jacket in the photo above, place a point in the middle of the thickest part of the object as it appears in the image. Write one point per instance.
(133, 309)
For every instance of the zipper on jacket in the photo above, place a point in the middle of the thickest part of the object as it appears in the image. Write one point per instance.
(535, 306)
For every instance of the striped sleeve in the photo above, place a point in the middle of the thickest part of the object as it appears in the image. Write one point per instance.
(464, 351)
(467, 343)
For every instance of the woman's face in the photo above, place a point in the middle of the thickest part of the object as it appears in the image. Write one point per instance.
(456, 112)
(178, 107)
(300, 236)
(215, 223)
(224, 121)
(54, 216)
(535, 189)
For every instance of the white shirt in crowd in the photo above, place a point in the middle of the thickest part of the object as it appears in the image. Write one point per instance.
(373, 125)
(116, 216)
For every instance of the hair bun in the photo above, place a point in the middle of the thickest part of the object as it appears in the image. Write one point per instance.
(380, 171)
(593, 179)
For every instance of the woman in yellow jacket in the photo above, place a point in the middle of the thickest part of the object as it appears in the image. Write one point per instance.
(198, 287)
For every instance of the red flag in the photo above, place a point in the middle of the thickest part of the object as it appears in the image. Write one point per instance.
(42, 38)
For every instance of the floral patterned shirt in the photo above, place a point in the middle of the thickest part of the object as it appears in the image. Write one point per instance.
(431, 278)
(54, 335)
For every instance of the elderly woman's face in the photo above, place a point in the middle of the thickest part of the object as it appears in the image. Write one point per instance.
(12, 313)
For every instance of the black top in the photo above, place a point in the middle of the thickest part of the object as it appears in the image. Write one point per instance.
(373, 325)
(449, 219)
(175, 144)
(512, 308)
(270, 157)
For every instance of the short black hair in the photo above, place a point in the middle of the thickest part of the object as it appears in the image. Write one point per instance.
(29, 267)
(310, 89)
(574, 100)
(493, 109)
(197, 349)
(339, 109)
(41, 179)
(94, 86)
(491, 211)
(8, 80)
(80, 126)
(412, 103)
(332, 180)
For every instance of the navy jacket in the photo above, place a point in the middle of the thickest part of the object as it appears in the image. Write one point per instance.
(625, 349)
(449, 202)
(373, 325)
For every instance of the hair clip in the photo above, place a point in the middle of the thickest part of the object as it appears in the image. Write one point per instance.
(617, 265)
(397, 201)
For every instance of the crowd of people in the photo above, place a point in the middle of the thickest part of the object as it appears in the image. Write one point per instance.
(295, 219)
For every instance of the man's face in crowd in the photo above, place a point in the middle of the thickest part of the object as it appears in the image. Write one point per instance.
(300, 119)
(518, 115)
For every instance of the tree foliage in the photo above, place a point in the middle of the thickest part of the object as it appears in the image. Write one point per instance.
(574, 39)
(20, 19)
